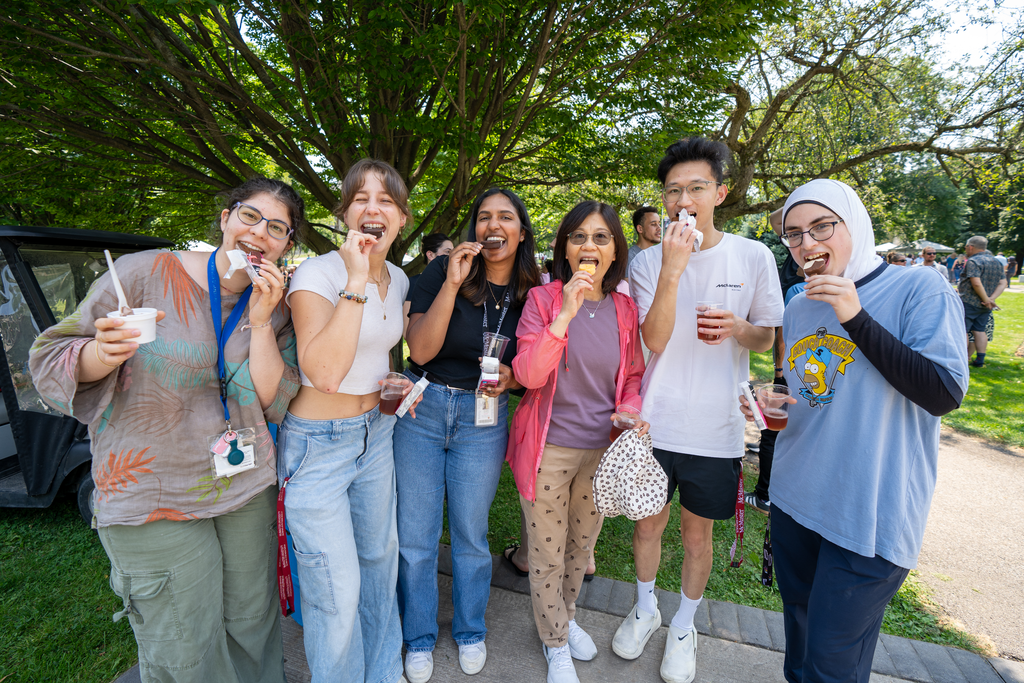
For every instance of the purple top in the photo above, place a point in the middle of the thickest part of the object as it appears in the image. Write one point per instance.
(585, 393)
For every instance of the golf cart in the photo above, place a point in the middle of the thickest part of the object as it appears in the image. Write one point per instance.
(44, 275)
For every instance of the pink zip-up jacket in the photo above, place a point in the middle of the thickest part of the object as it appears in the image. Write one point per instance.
(536, 365)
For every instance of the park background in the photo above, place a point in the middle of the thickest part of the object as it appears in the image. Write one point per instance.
(134, 116)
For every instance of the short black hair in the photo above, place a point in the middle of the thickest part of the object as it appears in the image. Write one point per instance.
(433, 242)
(574, 219)
(638, 215)
(716, 154)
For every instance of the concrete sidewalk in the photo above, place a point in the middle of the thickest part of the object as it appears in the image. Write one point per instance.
(738, 644)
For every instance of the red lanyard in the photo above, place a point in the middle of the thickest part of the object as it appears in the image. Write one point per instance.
(739, 524)
(284, 570)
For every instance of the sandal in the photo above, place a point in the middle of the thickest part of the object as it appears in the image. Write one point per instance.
(507, 556)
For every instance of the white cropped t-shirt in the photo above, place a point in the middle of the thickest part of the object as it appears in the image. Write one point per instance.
(382, 322)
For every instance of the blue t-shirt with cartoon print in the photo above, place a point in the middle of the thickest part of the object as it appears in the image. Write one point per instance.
(857, 461)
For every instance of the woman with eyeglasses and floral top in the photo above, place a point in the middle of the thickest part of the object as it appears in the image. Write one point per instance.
(191, 541)
(579, 358)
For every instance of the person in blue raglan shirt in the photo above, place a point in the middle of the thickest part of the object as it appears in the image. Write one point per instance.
(874, 356)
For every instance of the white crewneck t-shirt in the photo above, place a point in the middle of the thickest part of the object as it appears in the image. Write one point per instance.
(690, 390)
(382, 323)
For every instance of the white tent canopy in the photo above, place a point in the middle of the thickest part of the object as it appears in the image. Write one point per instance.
(879, 248)
(925, 244)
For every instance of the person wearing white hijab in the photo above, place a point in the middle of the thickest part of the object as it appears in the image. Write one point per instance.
(874, 356)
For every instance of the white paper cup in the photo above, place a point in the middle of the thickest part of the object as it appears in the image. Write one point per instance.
(143, 319)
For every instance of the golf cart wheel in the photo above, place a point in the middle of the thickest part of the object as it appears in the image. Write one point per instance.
(83, 492)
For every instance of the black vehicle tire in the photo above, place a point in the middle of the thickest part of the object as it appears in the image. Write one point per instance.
(83, 492)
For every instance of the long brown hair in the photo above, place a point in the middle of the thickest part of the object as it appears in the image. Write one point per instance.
(525, 273)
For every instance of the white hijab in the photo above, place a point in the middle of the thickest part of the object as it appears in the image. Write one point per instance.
(840, 198)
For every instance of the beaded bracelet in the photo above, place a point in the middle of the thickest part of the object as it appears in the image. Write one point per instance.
(250, 326)
(352, 296)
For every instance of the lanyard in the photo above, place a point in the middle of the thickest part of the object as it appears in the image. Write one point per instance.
(504, 310)
(213, 278)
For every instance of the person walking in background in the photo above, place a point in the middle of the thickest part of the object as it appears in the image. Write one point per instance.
(562, 428)
(689, 386)
(895, 258)
(958, 268)
(647, 226)
(983, 280)
(189, 536)
(445, 455)
(336, 467)
(893, 355)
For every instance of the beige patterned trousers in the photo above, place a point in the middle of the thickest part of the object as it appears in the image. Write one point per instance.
(561, 523)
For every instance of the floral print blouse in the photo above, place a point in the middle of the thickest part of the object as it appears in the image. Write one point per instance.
(151, 419)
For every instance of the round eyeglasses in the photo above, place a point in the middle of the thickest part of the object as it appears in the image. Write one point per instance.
(250, 215)
(598, 238)
(818, 233)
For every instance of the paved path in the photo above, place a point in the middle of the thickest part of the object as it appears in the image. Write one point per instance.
(973, 556)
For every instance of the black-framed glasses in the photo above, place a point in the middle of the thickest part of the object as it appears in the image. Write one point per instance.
(579, 238)
(818, 233)
(250, 215)
(696, 190)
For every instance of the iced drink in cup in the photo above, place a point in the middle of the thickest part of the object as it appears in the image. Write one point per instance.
(707, 306)
(625, 417)
(392, 392)
(774, 407)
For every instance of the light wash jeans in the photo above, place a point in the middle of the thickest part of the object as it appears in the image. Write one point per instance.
(340, 506)
(443, 451)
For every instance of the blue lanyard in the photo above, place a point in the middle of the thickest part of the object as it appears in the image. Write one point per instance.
(213, 279)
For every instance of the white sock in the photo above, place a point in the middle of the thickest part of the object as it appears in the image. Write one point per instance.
(645, 596)
(683, 620)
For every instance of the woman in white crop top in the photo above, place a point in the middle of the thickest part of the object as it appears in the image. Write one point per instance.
(335, 458)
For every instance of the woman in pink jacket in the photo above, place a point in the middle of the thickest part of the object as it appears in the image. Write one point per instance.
(561, 427)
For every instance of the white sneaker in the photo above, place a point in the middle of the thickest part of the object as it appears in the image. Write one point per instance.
(472, 658)
(679, 664)
(581, 645)
(560, 667)
(419, 666)
(634, 632)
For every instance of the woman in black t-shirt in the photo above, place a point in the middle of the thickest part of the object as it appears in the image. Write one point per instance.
(459, 298)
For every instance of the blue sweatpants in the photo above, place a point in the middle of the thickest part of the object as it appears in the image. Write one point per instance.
(833, 601)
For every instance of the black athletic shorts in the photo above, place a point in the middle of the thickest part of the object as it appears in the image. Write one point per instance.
(707, 486)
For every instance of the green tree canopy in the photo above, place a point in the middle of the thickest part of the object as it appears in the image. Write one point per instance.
(457, 96)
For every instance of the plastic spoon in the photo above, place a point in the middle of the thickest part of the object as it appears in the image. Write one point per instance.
(121, 300)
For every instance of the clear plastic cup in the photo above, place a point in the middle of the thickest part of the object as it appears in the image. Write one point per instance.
(707, 306)
(625, 417)
(392, 392)
(494, 344)
(772, 400)
(142, 319)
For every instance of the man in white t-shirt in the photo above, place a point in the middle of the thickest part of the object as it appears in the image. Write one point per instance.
(690, 387)
(928, 254)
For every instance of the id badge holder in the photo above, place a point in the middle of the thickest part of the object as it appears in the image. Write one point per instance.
(486, 410)
(233, 451)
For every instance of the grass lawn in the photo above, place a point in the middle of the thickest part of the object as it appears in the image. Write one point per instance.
(994, 405)
(56, 602)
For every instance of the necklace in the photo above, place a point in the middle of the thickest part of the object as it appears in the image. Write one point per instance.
(594, 312)
(497, 305)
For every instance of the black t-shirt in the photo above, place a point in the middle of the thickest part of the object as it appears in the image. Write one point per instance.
(412, 286)
(456, 363)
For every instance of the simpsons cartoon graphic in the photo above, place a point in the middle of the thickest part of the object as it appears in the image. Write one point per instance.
(824, 356)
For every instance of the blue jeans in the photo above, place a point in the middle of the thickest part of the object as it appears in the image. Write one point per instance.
(340, 505)
(443, 451)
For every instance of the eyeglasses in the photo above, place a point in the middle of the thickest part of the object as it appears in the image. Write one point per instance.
(250, 215)
(929, 253)
(598, 238)
(696, 190)
(818, 233)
